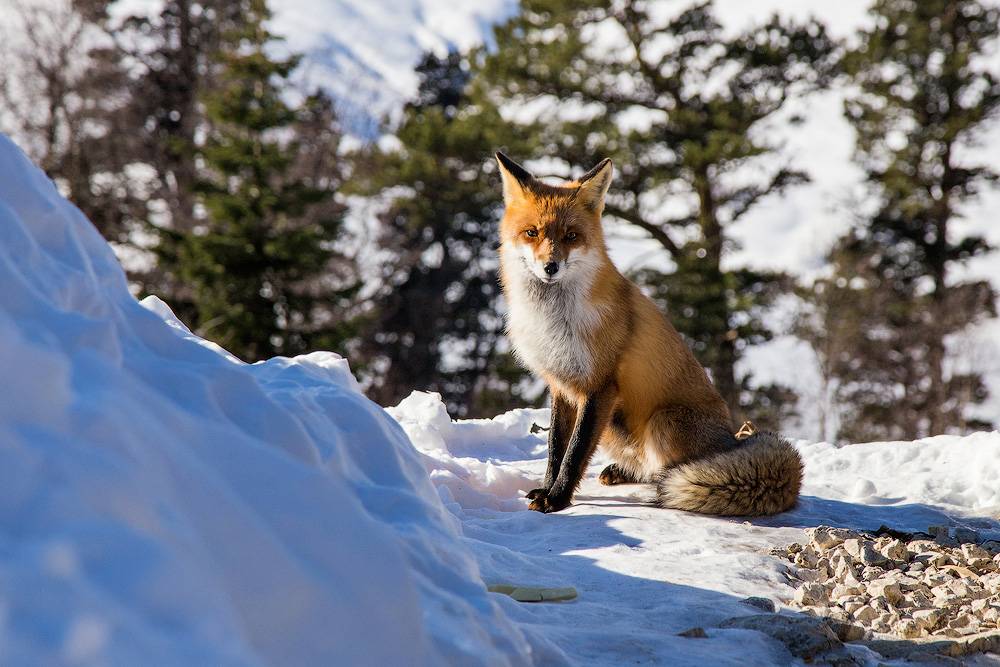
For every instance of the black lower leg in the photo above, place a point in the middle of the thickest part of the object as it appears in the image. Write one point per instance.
(559, 427)
(590, 420)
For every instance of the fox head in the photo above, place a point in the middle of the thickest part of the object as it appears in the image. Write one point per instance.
(554, 230)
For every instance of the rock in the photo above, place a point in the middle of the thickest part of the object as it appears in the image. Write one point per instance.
(901, 587)
(811, 595)
(852, 606)
(824, 571)
(826, 537)
(805, 574)
(938, 531)
(971, 551)
(806, 557)
(881, 627)
(918, 599)
(966, 536)
(960, 587)
(866, 614)
(869, 556)
(935, 558)
(919, 546)
(847, 631)
(926, 619)
(803, 636)
(895, 550)
(959, 571)
(846, 590)
(935, 578)
(908, 583)
(760, 603)
(886, 589)
(945, 541)
(853, 547)
(693, 633)
(960, 621)
(907, 628)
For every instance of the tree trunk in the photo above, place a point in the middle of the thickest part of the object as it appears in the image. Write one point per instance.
(723, 366)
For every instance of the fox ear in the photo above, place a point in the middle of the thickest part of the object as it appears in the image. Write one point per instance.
(594, 185)
(516, 179)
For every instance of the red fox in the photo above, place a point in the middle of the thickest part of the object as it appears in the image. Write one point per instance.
(618, 373)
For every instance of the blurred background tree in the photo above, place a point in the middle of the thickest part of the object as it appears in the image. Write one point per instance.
(259, 261)
(675, 108)
(434, 320)
(922, 97)
(59, 98)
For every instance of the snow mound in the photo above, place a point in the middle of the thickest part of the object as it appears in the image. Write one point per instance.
(161, 498)
(465, 458)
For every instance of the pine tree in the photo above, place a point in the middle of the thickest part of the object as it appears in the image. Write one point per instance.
(62, 101)
(923, 97)
(259, 264)
(697, 96)
(435, 322)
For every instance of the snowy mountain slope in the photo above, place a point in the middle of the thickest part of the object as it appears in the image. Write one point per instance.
(363, 53)
(644, 574)
(158, 497)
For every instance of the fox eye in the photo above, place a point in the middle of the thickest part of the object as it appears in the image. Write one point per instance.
(532, 233)
(571, 236)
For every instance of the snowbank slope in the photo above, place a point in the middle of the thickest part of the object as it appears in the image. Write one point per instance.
(158, 497)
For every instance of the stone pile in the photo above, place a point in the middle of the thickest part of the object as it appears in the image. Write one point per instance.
(936, 585)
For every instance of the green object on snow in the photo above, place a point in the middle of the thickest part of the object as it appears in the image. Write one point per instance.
(534, 594)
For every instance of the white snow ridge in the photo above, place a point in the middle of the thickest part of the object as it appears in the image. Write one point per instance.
(163, 503)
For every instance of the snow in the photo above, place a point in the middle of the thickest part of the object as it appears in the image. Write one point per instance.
(644, 574)
(364, 53)
(159, 497)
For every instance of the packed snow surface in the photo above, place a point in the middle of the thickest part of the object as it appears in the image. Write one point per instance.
(161, 499)
(644, 574)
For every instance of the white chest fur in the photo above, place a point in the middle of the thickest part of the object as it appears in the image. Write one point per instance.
(552, 325)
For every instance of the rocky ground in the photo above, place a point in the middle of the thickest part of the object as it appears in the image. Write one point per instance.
(939, 589)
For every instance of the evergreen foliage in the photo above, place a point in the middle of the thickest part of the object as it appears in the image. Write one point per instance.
(923, 98)
(258, 263)
(435, 322)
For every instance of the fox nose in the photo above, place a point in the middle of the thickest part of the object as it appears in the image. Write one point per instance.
(551, 268)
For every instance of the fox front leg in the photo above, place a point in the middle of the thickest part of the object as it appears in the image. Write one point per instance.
(591, 418)
(560, 428)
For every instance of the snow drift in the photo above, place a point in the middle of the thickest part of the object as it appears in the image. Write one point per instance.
(158, 497)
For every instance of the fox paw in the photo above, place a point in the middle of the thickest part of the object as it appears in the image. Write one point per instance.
(614, 474)
(536, 493)
(543, 502)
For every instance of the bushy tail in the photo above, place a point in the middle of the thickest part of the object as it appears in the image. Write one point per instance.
(761, 476)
